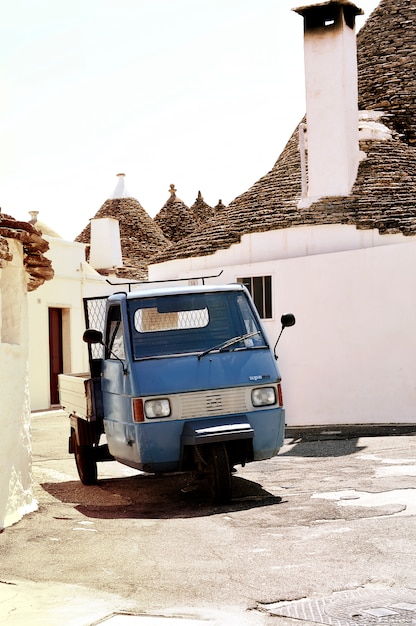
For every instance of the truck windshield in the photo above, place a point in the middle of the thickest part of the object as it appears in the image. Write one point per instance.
(193, 323)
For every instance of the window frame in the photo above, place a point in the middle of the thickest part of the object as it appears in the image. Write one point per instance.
(226, 319)
(260, 289)
(115, 334)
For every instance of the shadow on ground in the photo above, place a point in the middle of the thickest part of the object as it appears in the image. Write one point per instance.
(335, 441)
(298, 446)
(161, 496)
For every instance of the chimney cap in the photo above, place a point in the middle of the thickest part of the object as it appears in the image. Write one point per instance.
(120, 190)
(33, 216)
(304, 10)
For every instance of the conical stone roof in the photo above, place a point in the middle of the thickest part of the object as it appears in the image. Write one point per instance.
(175, 218)
(201, 211)
(220, 206)
(140, 237)
(385, 189)
(387, 65)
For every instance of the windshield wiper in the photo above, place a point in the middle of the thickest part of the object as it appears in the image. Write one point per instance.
(226, 344)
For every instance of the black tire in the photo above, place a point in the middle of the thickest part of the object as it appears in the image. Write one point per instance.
(219, 473)
(85, 462)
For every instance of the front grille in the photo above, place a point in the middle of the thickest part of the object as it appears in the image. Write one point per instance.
(218, 402)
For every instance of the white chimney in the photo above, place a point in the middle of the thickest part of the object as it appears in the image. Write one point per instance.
(105, 248)
(331, 97)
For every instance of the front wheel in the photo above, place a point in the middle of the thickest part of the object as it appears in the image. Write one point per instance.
(219, 473)
(86, 462)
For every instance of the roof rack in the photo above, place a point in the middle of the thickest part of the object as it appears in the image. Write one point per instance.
(167, 280)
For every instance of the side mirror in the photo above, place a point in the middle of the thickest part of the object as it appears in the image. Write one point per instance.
(92, 336)
(288, 319)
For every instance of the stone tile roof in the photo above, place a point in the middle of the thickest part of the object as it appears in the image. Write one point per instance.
(220, 206)
(384, 194)
(175, 218)
(140, 237)
(201, 211)
(38, 267)
(386, 49)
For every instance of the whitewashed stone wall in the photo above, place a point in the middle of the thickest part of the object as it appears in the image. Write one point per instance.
(16, 496)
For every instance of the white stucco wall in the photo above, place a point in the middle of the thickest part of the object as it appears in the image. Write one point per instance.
(351, 356)
(16, 497)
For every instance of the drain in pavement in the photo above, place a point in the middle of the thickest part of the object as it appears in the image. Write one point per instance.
(361, 607)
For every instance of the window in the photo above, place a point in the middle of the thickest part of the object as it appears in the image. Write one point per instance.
(150, 320)
(260, 288)
(192, 323)
(115, 334)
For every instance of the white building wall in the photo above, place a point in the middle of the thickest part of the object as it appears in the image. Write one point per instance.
(74, 279)
(350, 358)
(274, 245)
(16, 497)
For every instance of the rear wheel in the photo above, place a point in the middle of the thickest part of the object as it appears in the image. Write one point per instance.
(219, 473)
(85, 461)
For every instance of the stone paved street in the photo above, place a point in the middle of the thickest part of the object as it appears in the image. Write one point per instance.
(322, 534)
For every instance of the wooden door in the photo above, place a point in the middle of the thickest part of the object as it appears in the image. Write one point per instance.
(55, 352)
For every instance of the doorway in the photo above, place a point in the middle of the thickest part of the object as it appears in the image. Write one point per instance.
(55, 352)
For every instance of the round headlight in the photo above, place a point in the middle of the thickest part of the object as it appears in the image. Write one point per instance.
(157, 408)
(263, 396)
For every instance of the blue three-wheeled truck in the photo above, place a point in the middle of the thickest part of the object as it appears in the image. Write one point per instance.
(181, 379)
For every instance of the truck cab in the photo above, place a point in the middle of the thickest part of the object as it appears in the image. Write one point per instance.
(182, 379)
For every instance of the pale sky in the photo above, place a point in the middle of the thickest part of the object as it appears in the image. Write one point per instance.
(200, 93)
